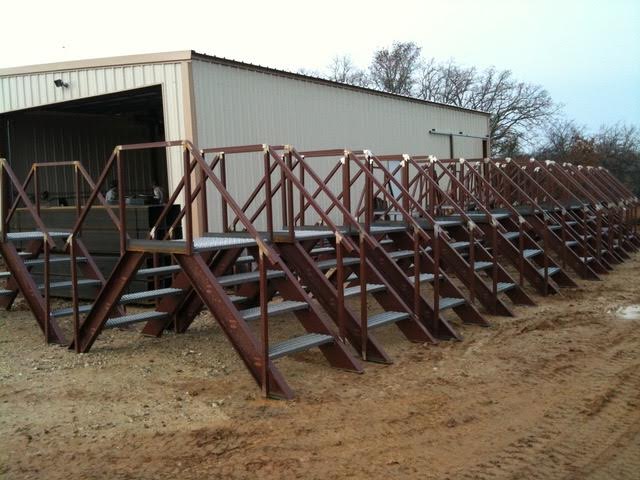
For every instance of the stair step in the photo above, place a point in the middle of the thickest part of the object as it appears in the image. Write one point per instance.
(56, 285)
(555, 227)
(572, 222)
(482, 265)
(322, 250)
(571, 243)
(502, 286)
(68, 311)
(552, 270)
(247, 277)
(512, 235)
(386, 241)
(398, 254)
(25, 254)
(245, 259)
(459, 245)
(531, 252)
(62, 259)
(20, 236)
(371, 288)
(450, 302)
(332, 262)
(4, 275)
(134, 318)
(68, 283)
(385, 318)
(149, 294)
(299, 344)
(424, 277)
(206, 244)
(273, 309)
(166, 269)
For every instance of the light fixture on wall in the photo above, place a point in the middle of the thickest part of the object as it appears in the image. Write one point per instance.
(58, 82)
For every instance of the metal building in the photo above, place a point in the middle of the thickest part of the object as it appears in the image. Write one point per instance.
(80, 110)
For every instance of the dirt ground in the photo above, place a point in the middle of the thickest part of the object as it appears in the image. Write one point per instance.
(551, 393)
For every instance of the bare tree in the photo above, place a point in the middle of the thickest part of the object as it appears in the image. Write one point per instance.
(616, 147)
(342, 69)
(394, 69)
(517, 108)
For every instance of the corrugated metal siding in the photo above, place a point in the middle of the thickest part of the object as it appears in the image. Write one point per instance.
(235, 106)
(19, 92)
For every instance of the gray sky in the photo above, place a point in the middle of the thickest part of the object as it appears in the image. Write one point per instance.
(586, 53)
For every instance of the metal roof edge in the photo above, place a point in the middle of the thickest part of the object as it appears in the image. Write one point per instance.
(161, 57)
(299, 76)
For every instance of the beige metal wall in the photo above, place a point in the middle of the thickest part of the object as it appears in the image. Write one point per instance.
(237, 106)
(22, 91)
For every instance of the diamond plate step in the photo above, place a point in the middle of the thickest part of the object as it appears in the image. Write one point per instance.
(247, 277)
(68, 283)
(134, 318)
(398, 254)
(332, 262)
(552, 271)
(511, 235)
(450, 302)
(482, 265)
(273, 309)
(385, 318)
(424, 277)
(531, 252)
(298, 344)
(502, 286)
(20, 236)
(40, 261)
(164, 270)
(371, 288)
(322, 250)
(149, 294)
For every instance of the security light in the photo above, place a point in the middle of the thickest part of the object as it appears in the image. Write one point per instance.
(59, 83)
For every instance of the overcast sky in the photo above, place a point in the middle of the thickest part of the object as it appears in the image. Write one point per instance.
(586, 53)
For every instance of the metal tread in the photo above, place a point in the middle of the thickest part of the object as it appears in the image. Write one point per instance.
(450, 302)
(371, 288)
(68, 311)
(424, 277)
(321, 250)
(459, 245)
(245, 259)
(36, 235)
(511, 235)
(147, 272)
(40, 261)
(273, 309)
(398, 254)
(61, 259)
(482, 265)
(552, 270)
(531, 252)
(149, 294)
(238, 278)
(134, 318)
(503, 286)
(299, 344)
(332, 262)
(68, 283)
(385, 318)
(204, 244)
(571, 243)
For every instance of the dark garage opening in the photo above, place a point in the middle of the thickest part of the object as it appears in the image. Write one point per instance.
(87, 130)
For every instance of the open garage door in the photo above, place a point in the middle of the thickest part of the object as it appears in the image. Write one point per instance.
(87, 130)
